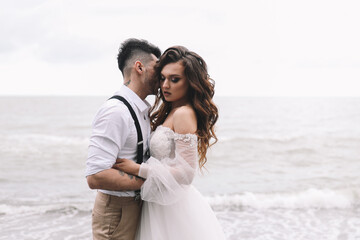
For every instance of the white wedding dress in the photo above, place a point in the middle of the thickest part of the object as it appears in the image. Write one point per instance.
(173, 209)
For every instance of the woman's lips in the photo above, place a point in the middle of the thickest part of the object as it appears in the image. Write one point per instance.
(166, 93)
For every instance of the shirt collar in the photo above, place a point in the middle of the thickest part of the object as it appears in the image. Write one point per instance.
(132, 97)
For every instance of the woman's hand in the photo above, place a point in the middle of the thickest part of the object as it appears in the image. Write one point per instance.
(127, 166)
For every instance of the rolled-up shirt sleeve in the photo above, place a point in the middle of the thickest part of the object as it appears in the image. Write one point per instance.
(110, 130)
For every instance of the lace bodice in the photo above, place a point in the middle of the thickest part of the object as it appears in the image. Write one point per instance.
(171, 167)
(162, 142)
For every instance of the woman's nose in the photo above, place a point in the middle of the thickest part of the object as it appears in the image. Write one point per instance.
(165, 84)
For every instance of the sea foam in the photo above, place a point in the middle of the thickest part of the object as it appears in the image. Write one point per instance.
(310, 198)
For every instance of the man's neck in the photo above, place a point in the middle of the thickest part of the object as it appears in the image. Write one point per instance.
(138, 90)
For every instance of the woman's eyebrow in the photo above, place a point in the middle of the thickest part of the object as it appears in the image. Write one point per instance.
(172, 75)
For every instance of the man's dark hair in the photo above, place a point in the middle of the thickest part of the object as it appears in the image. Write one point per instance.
(132, 47)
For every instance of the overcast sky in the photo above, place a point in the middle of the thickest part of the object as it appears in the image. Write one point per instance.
(252, 48)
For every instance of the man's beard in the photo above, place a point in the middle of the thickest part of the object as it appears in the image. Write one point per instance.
(154, 87)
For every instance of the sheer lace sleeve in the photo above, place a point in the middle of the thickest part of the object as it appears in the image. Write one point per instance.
(167, 179)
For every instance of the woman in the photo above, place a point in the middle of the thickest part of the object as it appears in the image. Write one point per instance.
(183, 121)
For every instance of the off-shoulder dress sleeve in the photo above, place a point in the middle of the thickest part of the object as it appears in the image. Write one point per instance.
(167, 180)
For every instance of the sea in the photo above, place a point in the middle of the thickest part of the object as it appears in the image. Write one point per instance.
(284, 168)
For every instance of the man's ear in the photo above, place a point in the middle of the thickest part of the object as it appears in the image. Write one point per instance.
(139, 67)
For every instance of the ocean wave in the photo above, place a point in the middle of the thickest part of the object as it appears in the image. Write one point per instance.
(288, 139)
(279, 139)
(48, 139)
(296, 151)
(311, 198)
(9, 209)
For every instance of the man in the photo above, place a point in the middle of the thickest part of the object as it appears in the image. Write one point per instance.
(116, 210)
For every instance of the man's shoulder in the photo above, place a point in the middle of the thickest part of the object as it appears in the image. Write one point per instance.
(113, 109)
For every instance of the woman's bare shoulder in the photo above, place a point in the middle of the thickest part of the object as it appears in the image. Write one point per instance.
(185, 120)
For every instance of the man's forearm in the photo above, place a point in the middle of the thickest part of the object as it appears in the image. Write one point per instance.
(114, 180)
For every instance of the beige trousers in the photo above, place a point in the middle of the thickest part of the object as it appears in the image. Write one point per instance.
(115, 217)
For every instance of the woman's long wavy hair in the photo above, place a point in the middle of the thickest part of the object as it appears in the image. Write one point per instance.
(200, 94)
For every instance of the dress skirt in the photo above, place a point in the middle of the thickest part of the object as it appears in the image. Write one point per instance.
(190, 218)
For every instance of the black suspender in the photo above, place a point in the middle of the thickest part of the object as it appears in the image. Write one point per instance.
(140, 143)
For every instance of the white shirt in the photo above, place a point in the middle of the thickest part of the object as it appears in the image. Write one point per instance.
(114, 134)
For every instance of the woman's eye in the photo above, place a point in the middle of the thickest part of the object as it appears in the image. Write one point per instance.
(175, 80)
(162, 78)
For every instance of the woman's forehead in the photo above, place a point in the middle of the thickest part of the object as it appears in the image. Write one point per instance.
(173, 68)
